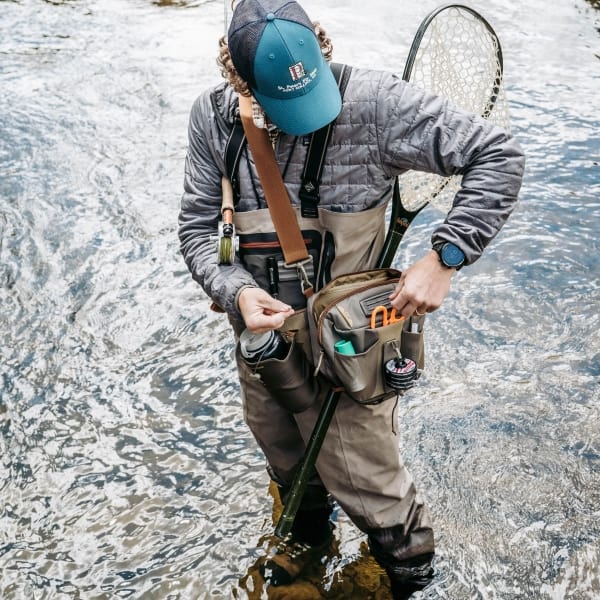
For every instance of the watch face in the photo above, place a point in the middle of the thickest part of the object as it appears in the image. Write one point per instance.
(452, 256)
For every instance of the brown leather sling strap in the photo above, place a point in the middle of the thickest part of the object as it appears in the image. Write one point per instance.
(280, 208)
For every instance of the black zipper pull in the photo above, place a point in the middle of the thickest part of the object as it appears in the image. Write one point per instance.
(273, 276)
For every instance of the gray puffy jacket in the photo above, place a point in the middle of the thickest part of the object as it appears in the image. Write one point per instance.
(386, 127)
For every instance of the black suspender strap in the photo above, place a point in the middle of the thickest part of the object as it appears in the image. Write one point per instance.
(315, 157)
(233, 152)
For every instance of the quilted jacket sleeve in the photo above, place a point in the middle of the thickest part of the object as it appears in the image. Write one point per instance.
(424, 132)
(201, 209)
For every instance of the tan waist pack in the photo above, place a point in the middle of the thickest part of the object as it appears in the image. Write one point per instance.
(354, 332)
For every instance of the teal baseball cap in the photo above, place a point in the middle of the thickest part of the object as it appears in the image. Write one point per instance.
(274, 48)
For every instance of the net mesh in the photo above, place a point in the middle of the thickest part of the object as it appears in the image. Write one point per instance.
(458, 58)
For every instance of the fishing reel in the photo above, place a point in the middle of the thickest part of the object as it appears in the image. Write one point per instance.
(227, 243)
(400, 372)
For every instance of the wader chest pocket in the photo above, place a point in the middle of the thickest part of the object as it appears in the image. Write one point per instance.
(262, 256)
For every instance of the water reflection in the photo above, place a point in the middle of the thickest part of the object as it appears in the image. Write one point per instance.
(594, 4)
(349, 574)
(126, 469)
(181, 3)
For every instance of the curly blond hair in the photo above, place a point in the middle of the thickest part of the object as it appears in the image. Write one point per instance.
(235, 80)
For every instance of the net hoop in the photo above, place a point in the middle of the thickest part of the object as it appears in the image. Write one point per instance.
(455, 54)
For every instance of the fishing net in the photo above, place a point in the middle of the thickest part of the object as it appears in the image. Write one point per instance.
(455, 54)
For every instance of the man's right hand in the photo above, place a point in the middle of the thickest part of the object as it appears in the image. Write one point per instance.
(262, 312)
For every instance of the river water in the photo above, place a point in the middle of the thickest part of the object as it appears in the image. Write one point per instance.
(126, 470)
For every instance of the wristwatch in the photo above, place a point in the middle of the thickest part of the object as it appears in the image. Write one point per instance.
(451, 256)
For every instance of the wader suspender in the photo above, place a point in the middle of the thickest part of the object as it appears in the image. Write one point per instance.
(315, 157)
(280, 208)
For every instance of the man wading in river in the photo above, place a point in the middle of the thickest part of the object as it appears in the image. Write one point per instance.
(381, 128)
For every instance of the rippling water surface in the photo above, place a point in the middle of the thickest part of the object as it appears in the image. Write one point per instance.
(125, 466)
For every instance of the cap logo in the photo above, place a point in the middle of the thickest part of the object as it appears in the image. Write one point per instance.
(297, 71)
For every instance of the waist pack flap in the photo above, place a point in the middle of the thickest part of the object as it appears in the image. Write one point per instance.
(354, 331)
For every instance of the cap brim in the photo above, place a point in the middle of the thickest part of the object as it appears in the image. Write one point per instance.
(308, 112)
